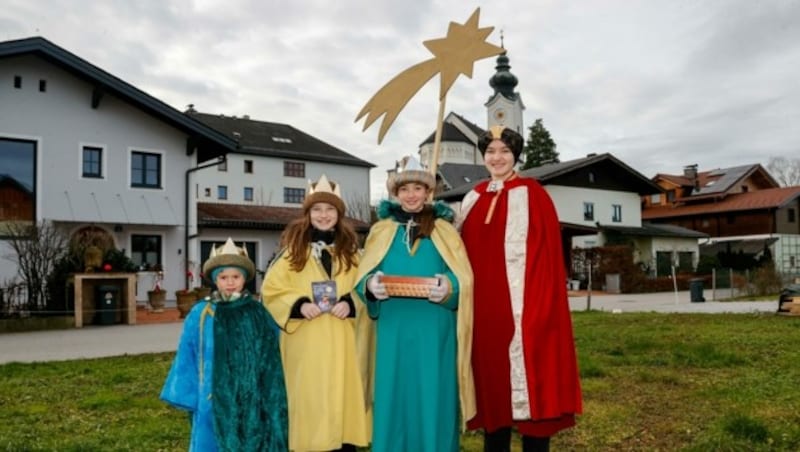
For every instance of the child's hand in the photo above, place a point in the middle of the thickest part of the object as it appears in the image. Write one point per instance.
(310, 310)
(439, 292)
(341, 310)
(376, 287)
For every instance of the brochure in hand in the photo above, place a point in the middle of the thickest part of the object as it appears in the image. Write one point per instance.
(324, 294)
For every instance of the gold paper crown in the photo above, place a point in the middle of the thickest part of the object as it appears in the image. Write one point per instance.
(324, 191)
(229, 255)
(324, 185)
(497, 131)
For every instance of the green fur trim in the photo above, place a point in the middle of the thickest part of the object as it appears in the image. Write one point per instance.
(250, 411)
(387, 208)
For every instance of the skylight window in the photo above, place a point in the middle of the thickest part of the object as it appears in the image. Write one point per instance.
(282, 140)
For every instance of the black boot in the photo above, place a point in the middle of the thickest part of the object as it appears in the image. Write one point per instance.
(497, 441)
(535, 444)
(346, 448)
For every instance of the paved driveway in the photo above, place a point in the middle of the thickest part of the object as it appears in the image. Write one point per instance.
(100, 341)
(669, 302)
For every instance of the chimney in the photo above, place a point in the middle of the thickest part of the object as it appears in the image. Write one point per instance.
(690, 172)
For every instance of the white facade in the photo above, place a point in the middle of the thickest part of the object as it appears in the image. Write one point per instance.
(569, 202)
(61, 121)
(267, 182)
(453, 151)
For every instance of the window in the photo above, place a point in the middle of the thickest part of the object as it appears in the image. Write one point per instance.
(294, 169)
(248, 193)
(663, 263)
(282, 140)
(17, 182)
(17, 82)
(671, 196)
(222, 192)
(588, 211)
(42, 86)
(293, 195)
(145, 170)
(146, 251)
(208, 192)
(790, 214)
(616, 213)
(92, 162)
(591, 177)
(685, 261)
(655, 199)
(223, 166)
(248, 167)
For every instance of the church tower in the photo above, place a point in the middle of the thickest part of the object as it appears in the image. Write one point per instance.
(505, 106)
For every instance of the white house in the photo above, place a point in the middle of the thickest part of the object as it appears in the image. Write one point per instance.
(88, 151)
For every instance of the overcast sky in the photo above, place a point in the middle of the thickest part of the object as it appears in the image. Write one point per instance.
(658, 84)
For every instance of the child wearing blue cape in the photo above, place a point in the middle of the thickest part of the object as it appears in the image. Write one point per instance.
(227, 371)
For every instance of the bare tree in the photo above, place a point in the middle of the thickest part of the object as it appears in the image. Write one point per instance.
(785, 170)
(37, 247)
(358, 208)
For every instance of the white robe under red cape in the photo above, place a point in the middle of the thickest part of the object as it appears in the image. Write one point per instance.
(523, 353)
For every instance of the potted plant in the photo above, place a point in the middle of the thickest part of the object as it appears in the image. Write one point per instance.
(186, 299)
(202, 291)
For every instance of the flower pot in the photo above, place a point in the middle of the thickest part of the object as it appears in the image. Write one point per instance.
(185, 300)
(202, 292)
(157, 299)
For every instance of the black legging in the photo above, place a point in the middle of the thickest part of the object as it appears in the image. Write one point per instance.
(500, 441)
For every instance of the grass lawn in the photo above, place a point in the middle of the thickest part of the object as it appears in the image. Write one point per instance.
(694, 382)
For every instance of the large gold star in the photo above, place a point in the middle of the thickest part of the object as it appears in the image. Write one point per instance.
(460, 49)
(453, 55)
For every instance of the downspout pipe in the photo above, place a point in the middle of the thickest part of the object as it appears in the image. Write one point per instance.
(221, 159)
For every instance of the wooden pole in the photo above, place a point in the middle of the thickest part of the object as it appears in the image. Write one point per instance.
(437, 142)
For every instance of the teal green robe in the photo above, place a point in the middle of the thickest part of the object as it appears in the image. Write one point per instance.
(416, 393)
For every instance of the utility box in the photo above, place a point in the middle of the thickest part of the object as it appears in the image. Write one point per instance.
(107, 302)
(696, 290)
(613, 283)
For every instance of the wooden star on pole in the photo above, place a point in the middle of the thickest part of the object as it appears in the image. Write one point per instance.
(454, 54)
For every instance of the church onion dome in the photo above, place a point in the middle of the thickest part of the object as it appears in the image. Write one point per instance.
(503, 81)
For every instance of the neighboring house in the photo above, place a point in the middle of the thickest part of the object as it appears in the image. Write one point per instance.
(598, 200)
(261, 186)
(708, 186)
(741, 209)
(101, 155)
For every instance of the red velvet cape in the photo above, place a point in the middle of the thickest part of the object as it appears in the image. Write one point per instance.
(547, 341)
